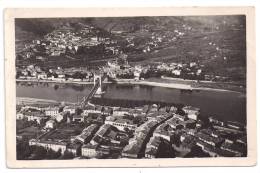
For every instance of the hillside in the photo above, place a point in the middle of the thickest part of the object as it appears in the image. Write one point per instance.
(218, 42)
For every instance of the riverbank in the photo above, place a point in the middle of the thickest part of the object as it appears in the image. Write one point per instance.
(189, 85)
(37, 101)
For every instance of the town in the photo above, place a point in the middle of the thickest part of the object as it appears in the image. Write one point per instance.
(195, 63)
(62, 131)
(75, 53)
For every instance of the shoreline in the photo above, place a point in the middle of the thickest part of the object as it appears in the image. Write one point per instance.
(134, 82)
(33, 101)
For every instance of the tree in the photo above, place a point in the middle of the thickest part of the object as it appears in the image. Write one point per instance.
(67, 155)
(23, 150)
(51, 154)
(18, 74)
(39, 153)
(78, 111)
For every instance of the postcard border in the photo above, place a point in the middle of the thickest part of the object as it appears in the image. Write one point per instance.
(10, 89)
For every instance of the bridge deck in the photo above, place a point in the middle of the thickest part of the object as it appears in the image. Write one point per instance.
(92, 92)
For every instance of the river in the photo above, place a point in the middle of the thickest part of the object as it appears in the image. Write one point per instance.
(225, 105)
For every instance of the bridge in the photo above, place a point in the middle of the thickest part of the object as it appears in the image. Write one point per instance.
(96, 89)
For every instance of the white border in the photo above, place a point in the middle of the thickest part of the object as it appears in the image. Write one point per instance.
(10, 100)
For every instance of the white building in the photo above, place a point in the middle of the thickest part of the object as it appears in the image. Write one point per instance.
(50, 124)
(59, 117)
(89, 150)
(19, 116)
(78, 118)
(42, 76)
(52, 111)
(122, 124)
(35, 116)
(70, 109)
(192, 112)
(55, 146)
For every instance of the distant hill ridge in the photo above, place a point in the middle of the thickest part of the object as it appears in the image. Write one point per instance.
(43, 26)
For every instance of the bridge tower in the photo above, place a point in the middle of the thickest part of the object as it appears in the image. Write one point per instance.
(98, 79)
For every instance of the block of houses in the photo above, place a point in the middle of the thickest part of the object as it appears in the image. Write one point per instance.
(49, 144)
(35, 116)
(122, 124)
(89, 150)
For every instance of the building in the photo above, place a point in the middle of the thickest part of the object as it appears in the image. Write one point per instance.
(37, 116)
(87, 134)
(215, 121)
(154, 142)
(78, 118)
(89, 151)
(48, 144)
(91, 109)
(162, 132)
(42, 76)
(75, 149)
(132, 150)
(59, 117)
(103, 130)
(151, 153)
(180, 117)
(52, 111)
(70, 109)
(214, 141)
(20, 116)
(122, 124)
(192, 112)
(179, 122)
(51, 124)
(120, 112)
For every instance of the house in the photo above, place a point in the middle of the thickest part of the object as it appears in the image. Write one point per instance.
(162, 132)
(192, 112)
(51, 124)
(151, 153)
(42, 76)
(59, 117)
(52, 111)
(91, 109)
(75, 148)
(70, 109)
(206, 138)
(89, 150)
(215, 121)
(37, 116)
(87, 133)
(50, 144)
(154, 142)
(103, 130)
(78, 118)
(122, 124)
(180, 117)
(20, 116)
(132, 150)
(120, 112)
